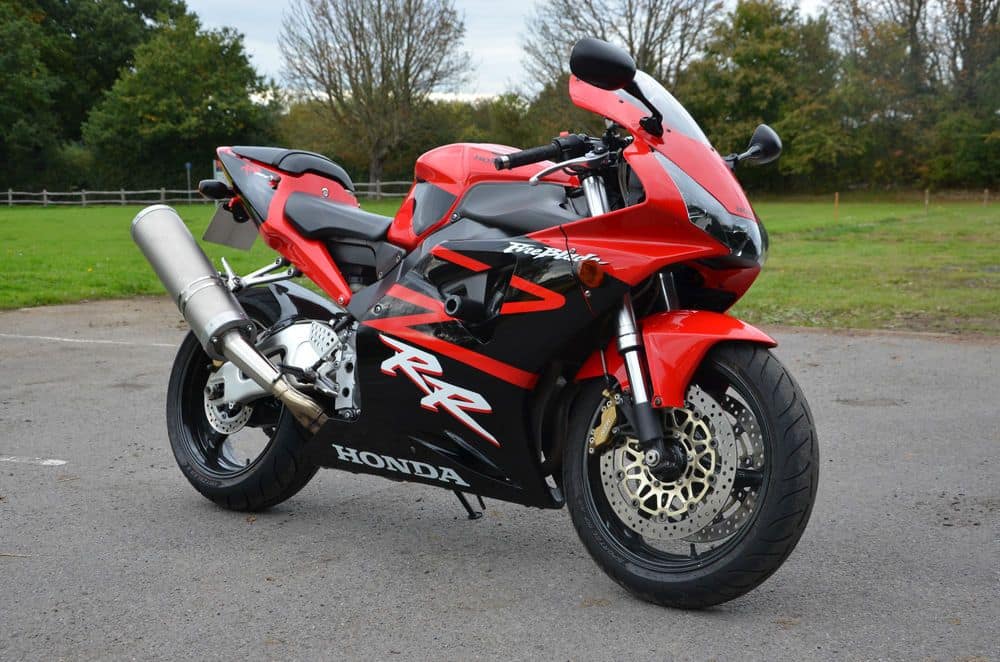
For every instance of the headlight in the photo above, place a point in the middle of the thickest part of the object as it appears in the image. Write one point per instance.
(745, 238)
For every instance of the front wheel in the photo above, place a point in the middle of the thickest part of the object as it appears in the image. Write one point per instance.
(734, 515)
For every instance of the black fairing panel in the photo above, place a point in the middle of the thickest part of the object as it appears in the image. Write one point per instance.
(464, 228)
(296, 301)
(518, 208)
(430, 203)
(252, 182)
(544, 317)
(297, 162)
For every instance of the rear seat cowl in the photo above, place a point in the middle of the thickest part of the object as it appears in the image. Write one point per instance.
(297, 162)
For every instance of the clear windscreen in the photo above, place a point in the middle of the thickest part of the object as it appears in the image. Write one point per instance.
(675, 116)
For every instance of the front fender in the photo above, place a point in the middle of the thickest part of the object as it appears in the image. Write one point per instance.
(675, 343)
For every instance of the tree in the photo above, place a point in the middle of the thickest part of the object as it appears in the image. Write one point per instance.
(373, 63)
(972, 36)
(552, 111)
(28, 87)
(88, 43)
(965, 141)
(502, 119)
(189, 91)
(662, 35)
(765, 64)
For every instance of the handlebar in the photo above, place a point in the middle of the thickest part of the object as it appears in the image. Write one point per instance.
(525, 157)
(563, 147)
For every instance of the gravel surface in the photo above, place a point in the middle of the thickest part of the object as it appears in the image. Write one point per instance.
(114, 555)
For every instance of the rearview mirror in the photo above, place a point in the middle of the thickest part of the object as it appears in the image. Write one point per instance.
(764, 147)
(601, 64)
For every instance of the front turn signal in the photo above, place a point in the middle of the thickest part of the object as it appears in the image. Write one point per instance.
(590, 273)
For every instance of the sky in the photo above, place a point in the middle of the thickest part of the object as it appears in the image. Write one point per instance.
(493, 30)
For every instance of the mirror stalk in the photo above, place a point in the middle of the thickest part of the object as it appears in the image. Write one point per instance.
(653, 124)
(765, 147)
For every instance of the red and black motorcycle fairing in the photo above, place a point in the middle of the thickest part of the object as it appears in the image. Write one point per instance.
(540, 318)
(544, 332)
(482, 390)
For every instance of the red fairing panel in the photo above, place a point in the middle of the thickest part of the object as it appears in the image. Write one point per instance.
(637, 241)
(676, 342)
(308, 255)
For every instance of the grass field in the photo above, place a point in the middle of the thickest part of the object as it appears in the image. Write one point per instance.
(879, 265)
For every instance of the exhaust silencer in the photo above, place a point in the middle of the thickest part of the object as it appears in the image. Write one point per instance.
(213, 313)
(191, 280)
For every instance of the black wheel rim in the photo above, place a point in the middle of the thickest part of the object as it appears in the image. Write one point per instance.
(217, 454)
(716, 379)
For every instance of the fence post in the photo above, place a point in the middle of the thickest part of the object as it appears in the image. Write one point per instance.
(163, 195)
(83, 198)
(378, 189)
(45, 197)
(836, 206)
(927, 201)
(986, 196)
(121, 193)
(10, 197)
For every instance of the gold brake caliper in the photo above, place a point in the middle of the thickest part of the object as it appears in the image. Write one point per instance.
(609, 416)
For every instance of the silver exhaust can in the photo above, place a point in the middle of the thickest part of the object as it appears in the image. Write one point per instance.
(189, 277)
(215, 316)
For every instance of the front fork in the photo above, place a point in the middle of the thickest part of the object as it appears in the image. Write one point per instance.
(668, 459)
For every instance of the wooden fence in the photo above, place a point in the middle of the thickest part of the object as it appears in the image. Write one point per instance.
(373, 190)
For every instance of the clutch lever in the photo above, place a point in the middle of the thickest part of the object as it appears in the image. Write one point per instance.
(586, 161)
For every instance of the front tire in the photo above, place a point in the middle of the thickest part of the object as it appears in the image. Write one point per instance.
(751, 491)
(252, 469)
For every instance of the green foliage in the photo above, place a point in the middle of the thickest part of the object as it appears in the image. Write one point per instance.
(964, 151)
(89, 43)
(508, 119)
(871, 94)
(188, 91)
(27, 88)
(552, 112)
(56, 59)
(765, 64)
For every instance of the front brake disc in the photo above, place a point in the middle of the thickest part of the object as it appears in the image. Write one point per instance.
(675, 510)
(743, 499)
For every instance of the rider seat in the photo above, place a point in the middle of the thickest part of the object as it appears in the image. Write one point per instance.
(316, 218)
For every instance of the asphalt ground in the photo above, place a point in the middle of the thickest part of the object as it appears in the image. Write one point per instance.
(114, 555)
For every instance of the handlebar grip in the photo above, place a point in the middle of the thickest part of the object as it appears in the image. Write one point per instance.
(527, 156)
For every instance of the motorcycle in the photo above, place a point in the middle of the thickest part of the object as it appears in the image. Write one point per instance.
(545, 327)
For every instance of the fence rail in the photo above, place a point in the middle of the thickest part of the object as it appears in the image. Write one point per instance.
(372, 190)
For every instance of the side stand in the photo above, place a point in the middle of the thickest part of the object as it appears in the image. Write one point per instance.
(473, 514)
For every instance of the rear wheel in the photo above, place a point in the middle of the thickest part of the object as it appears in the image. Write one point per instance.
(736, 513)
(247, 457)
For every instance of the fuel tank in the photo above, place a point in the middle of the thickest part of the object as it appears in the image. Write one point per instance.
(441, 178)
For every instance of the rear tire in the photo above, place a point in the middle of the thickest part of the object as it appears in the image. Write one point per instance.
(758, 541)
(276, 473)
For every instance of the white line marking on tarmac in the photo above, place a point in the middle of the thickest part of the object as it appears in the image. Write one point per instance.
(87, 341)
(41, 461)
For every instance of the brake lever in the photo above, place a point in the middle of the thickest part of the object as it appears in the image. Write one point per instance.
(587, 160)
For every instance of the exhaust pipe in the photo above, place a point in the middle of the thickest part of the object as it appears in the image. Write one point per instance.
(210, 309)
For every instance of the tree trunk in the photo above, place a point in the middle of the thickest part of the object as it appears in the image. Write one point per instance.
(375, 165)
